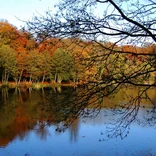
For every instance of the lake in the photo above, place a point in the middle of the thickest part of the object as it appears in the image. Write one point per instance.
(59, 121)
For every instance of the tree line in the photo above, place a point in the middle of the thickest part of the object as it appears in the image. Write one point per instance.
(22, 58)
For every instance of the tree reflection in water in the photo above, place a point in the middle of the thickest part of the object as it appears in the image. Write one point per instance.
(41, 130)
(67, 107)
(70, 104)
(129, 112)
(73, 129)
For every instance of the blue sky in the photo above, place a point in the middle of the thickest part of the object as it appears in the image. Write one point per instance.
(23, 9)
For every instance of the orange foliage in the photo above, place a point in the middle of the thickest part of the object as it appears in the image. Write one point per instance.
(139, 50)
(50, 45)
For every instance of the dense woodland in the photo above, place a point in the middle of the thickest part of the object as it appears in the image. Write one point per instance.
(68, 60)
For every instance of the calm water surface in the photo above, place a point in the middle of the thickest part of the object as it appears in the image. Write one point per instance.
(26, 131)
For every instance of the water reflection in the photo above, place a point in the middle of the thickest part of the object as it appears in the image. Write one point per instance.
(42, 130)
(65, 111)
(74, 129)
(132, 111)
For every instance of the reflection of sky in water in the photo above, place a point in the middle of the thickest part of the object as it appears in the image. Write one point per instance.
(84, 139)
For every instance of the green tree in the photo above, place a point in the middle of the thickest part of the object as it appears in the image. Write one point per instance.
(8, 63)
(38, 65)
(62, 66)
(33, 65)
(45, 65)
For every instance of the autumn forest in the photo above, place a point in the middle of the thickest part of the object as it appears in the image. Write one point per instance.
(24, 59)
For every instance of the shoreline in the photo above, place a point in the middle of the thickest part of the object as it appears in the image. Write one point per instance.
(38, 85)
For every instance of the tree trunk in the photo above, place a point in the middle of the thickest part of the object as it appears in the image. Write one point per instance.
(43, 78)
(30, 80)
(21, 73)
(55, 79)
(59, 79)
(4, 76)
(7, 77)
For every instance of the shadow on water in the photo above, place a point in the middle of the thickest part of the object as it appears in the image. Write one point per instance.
(24, 110)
